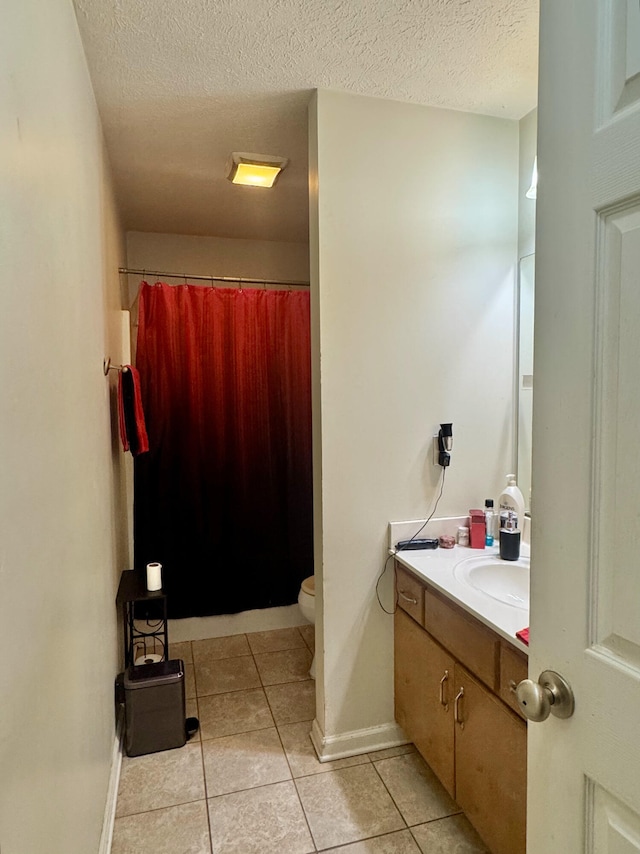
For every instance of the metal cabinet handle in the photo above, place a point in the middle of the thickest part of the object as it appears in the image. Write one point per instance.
(444, 702)
(408, 598)
(456, 708)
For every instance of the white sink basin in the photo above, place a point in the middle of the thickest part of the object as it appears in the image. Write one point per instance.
(504, 580)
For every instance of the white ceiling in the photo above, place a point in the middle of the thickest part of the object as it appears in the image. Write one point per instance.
(182, 83)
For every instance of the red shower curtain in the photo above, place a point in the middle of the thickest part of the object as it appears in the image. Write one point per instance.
(223, 498)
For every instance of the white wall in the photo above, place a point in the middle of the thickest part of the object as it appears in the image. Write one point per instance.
(526, 247)
(414, 236)
(219, 256)
(528, 142)
(63, 533)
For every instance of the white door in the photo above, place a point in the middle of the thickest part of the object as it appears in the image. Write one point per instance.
(584, 772)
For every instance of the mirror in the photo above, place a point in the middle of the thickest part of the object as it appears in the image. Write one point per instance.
(524, 374)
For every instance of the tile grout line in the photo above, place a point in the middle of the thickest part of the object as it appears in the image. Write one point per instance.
(440, 818)
(204, 772)
(297, 698)
(195, 686)
(293, 779)
(413, 836)
(422, 824)
(167, 807)
(255, 664)
(275, 652)
(429, 820)
(274, 723)
(329, 770)
(400, 813)
(250, 789)
(312, 651)
(240, 732)
(304, 814)
(230, 658)
(264, 785)
(206, 798)
(195, 678)
(345, 845)
(271, 725)
(303, 638)
(263, 687)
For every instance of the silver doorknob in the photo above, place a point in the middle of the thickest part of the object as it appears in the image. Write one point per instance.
(550, 694)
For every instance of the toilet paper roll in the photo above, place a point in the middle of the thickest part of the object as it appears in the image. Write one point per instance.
(150, 658)
(154, 576)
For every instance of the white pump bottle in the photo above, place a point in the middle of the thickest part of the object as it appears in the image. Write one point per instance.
(512, 499)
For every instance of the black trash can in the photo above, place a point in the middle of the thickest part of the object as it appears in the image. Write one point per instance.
(154, 703)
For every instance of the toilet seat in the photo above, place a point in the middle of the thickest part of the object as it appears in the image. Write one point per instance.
(309, 585)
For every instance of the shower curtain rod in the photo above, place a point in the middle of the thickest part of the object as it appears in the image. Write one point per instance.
(241, 280)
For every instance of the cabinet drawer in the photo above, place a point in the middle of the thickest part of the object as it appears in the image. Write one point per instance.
(410, 594)
(514, 667)
(469, 641)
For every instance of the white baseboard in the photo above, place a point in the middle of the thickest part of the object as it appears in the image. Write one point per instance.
(259, 620)
(112, 791)
(357, 741)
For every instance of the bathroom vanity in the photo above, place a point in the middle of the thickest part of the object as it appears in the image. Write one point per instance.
(455, 671)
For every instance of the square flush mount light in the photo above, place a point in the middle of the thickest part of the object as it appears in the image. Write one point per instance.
(255, 170)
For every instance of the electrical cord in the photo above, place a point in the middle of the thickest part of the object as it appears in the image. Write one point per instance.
(395, 552)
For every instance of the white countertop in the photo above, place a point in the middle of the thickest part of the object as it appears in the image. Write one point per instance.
(435, 567)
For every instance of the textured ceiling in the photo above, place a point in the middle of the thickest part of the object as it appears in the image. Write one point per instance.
(182, 83)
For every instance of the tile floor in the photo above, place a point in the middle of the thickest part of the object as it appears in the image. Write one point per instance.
(250, 783)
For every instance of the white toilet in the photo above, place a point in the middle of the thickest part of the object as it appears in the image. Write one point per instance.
(307, 603)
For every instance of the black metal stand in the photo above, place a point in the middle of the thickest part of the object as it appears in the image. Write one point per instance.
(144, 615)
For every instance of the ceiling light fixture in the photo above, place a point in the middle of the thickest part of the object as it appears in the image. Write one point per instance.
(254, 170)
(532, 192)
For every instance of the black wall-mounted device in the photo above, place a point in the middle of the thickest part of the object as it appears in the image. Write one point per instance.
(445, 444)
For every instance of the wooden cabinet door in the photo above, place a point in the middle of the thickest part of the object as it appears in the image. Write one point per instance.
(424, 685)
(490, 766)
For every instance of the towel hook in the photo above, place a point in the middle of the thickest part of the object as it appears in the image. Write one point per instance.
(107, 366)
